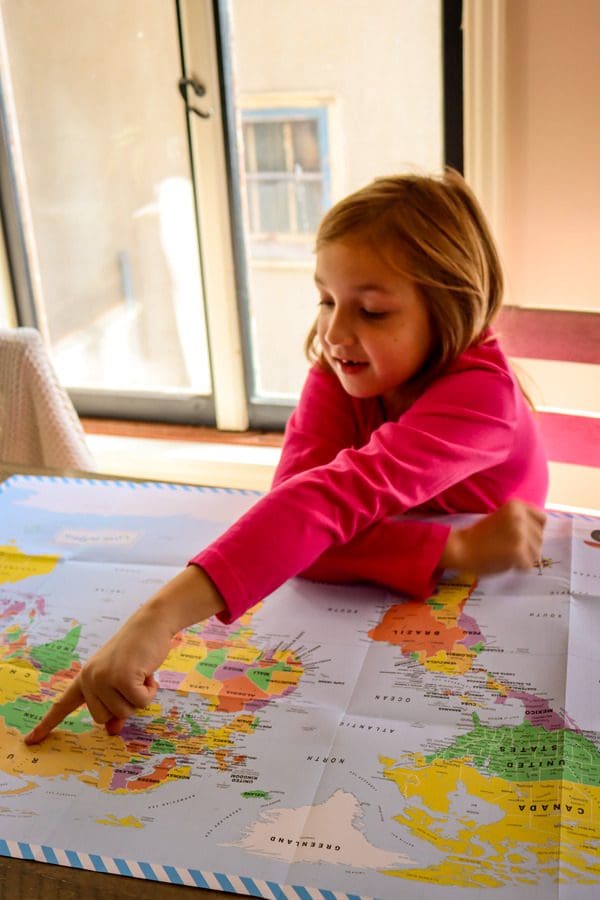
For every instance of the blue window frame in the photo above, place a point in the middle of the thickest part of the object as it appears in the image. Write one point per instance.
(287, 175)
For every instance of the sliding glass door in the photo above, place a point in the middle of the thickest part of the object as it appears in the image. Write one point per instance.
(102, 178)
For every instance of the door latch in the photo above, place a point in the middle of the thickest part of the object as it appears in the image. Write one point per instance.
(198, 89)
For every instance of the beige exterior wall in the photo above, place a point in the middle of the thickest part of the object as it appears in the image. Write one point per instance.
(377, 62)
(552, 153)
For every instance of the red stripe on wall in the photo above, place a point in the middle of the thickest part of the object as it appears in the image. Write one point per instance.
(571, 439)
(550, 334)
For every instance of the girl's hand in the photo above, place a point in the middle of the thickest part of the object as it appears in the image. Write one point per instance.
(119, 678)
(509, 538)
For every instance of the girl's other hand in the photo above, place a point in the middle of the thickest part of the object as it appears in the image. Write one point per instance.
(509, 538)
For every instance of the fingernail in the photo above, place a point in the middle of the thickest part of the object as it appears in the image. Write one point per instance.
(114, 726)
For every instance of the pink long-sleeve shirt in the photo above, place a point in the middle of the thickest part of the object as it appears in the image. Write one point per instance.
(467, 444)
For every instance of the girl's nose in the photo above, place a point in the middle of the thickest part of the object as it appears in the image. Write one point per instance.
(339, 331)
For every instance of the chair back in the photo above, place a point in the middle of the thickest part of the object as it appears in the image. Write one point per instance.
(38, 422)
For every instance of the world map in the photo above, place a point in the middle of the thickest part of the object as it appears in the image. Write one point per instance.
(334, 739)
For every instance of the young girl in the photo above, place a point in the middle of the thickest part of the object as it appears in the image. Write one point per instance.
(410, 405)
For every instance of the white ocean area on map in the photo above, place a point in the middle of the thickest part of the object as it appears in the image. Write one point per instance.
(583, 679)
(96, 498)
(166, 526)
(586, 557)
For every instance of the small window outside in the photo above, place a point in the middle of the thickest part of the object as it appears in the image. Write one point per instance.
(286, 163)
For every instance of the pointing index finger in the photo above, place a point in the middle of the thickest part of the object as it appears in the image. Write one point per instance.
(70, 700)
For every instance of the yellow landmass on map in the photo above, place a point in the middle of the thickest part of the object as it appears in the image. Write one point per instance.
(96, 759)
(17, 677)
(16, 565)
(187, 651)
(221, 737)
(456, 662)
(125, 822)
(451, 597)
(150, 711)
(61, 754)
(247, 655)
(197, 683)
(495, 685)
(520, 831)
(22, 789)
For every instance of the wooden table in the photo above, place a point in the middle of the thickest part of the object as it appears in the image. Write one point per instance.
(24, 880)
(27, 880)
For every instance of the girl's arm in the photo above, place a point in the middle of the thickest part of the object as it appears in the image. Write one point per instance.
(403, 555)
(464, 423)
(398, 554)
(119, 678)
(409, 556)
(323, 423)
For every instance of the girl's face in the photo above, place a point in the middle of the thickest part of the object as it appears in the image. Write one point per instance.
(372, 325)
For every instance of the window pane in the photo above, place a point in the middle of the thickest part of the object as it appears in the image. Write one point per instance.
(270, 149)
(309, 204)
(306, 146)
(101, 148)
(312, 69)
(274, 206)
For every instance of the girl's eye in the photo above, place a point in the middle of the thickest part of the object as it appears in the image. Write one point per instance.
(372, 314)
(325, 301)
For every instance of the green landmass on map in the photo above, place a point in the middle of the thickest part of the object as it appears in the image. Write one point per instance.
(527, 752)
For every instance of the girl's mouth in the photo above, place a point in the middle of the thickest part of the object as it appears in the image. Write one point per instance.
(351, 366)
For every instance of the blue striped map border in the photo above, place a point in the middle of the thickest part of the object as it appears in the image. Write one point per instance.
(18, 478)
(216, 881)
(558, 513)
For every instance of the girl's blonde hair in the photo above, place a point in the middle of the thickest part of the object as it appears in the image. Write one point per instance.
(431, 229)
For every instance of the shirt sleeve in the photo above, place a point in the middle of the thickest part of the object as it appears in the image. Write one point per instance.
(322, 424)
(402, 555)
(463, 423)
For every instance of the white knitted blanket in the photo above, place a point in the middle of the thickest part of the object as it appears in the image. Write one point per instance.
(38, 423)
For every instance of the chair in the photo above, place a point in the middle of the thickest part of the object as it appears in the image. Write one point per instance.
(38, 422)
